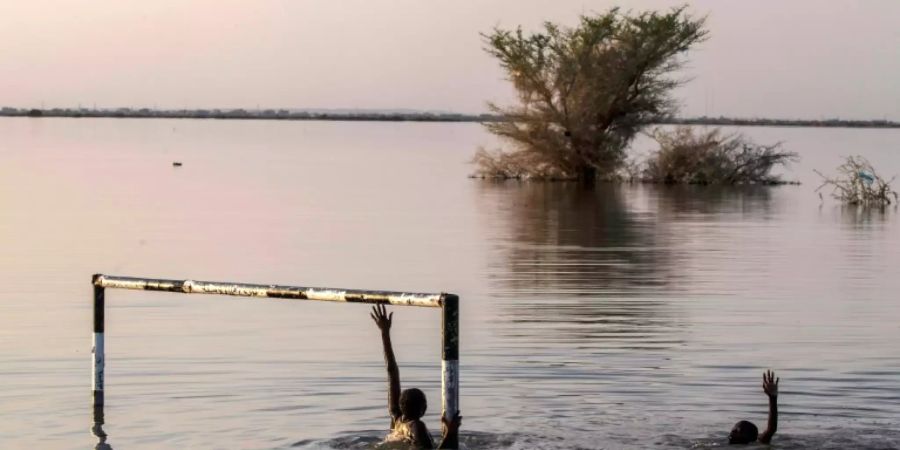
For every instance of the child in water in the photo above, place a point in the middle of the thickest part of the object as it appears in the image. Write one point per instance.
(745, 432)
(407, 408)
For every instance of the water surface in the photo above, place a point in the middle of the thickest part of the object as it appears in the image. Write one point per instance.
(616, 317)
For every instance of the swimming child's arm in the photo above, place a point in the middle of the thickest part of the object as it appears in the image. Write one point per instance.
(450, 431)
(770, 387)
(383, 320)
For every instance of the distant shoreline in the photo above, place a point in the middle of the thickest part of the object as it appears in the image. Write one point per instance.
(389, 116)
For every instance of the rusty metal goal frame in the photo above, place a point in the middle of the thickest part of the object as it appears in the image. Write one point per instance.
(449, 304)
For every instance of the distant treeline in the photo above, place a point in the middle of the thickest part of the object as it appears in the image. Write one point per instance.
(392, 116)
(834, 123)
(235, 114)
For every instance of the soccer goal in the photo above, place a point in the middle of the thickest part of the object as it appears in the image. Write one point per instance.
(448, 303)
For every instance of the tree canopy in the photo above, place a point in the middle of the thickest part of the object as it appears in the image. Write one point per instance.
(584, 92)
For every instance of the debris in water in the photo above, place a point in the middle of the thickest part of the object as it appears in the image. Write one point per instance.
(858, 184)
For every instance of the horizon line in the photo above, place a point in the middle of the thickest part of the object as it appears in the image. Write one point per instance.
(398, 114)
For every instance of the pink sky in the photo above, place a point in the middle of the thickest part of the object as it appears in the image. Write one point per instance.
(801, 58)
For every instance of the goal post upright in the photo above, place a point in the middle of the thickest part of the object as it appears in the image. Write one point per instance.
(450, 355)
(98, 351)
(449, 304)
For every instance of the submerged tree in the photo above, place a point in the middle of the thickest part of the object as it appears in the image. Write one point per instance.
(585, 92)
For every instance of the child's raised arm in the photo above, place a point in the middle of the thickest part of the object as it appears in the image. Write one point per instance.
(770, 387)
(383, 320)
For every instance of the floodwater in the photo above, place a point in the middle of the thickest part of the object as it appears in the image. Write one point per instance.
(617, 317)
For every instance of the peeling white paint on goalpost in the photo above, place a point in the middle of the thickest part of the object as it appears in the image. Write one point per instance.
(450, 387)
(99, 352)
(272, 291)
(450, 356)
(448, 303)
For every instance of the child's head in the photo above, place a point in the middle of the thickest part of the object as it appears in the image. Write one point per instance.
(743, 432)
(413, 404)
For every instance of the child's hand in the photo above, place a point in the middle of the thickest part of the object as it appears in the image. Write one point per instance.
(770, 383)
(450, 427)
(381, 317)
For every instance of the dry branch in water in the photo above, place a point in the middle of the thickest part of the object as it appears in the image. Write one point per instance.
(857, 183)
(709, 157)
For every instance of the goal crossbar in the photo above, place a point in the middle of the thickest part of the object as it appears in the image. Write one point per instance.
(449, 304)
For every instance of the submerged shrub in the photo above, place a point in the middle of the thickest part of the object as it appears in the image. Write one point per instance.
(709, 157)
(857, 183)
(518, 165)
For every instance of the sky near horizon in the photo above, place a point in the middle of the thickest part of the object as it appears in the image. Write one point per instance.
(764, 58)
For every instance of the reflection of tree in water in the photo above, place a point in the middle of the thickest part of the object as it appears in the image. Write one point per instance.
(864, 218)
(598, 263)
(568, 240)
(717, 202)
(576, 264)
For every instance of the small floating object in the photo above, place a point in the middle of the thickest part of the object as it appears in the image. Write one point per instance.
(176, 164)
(869, 178)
